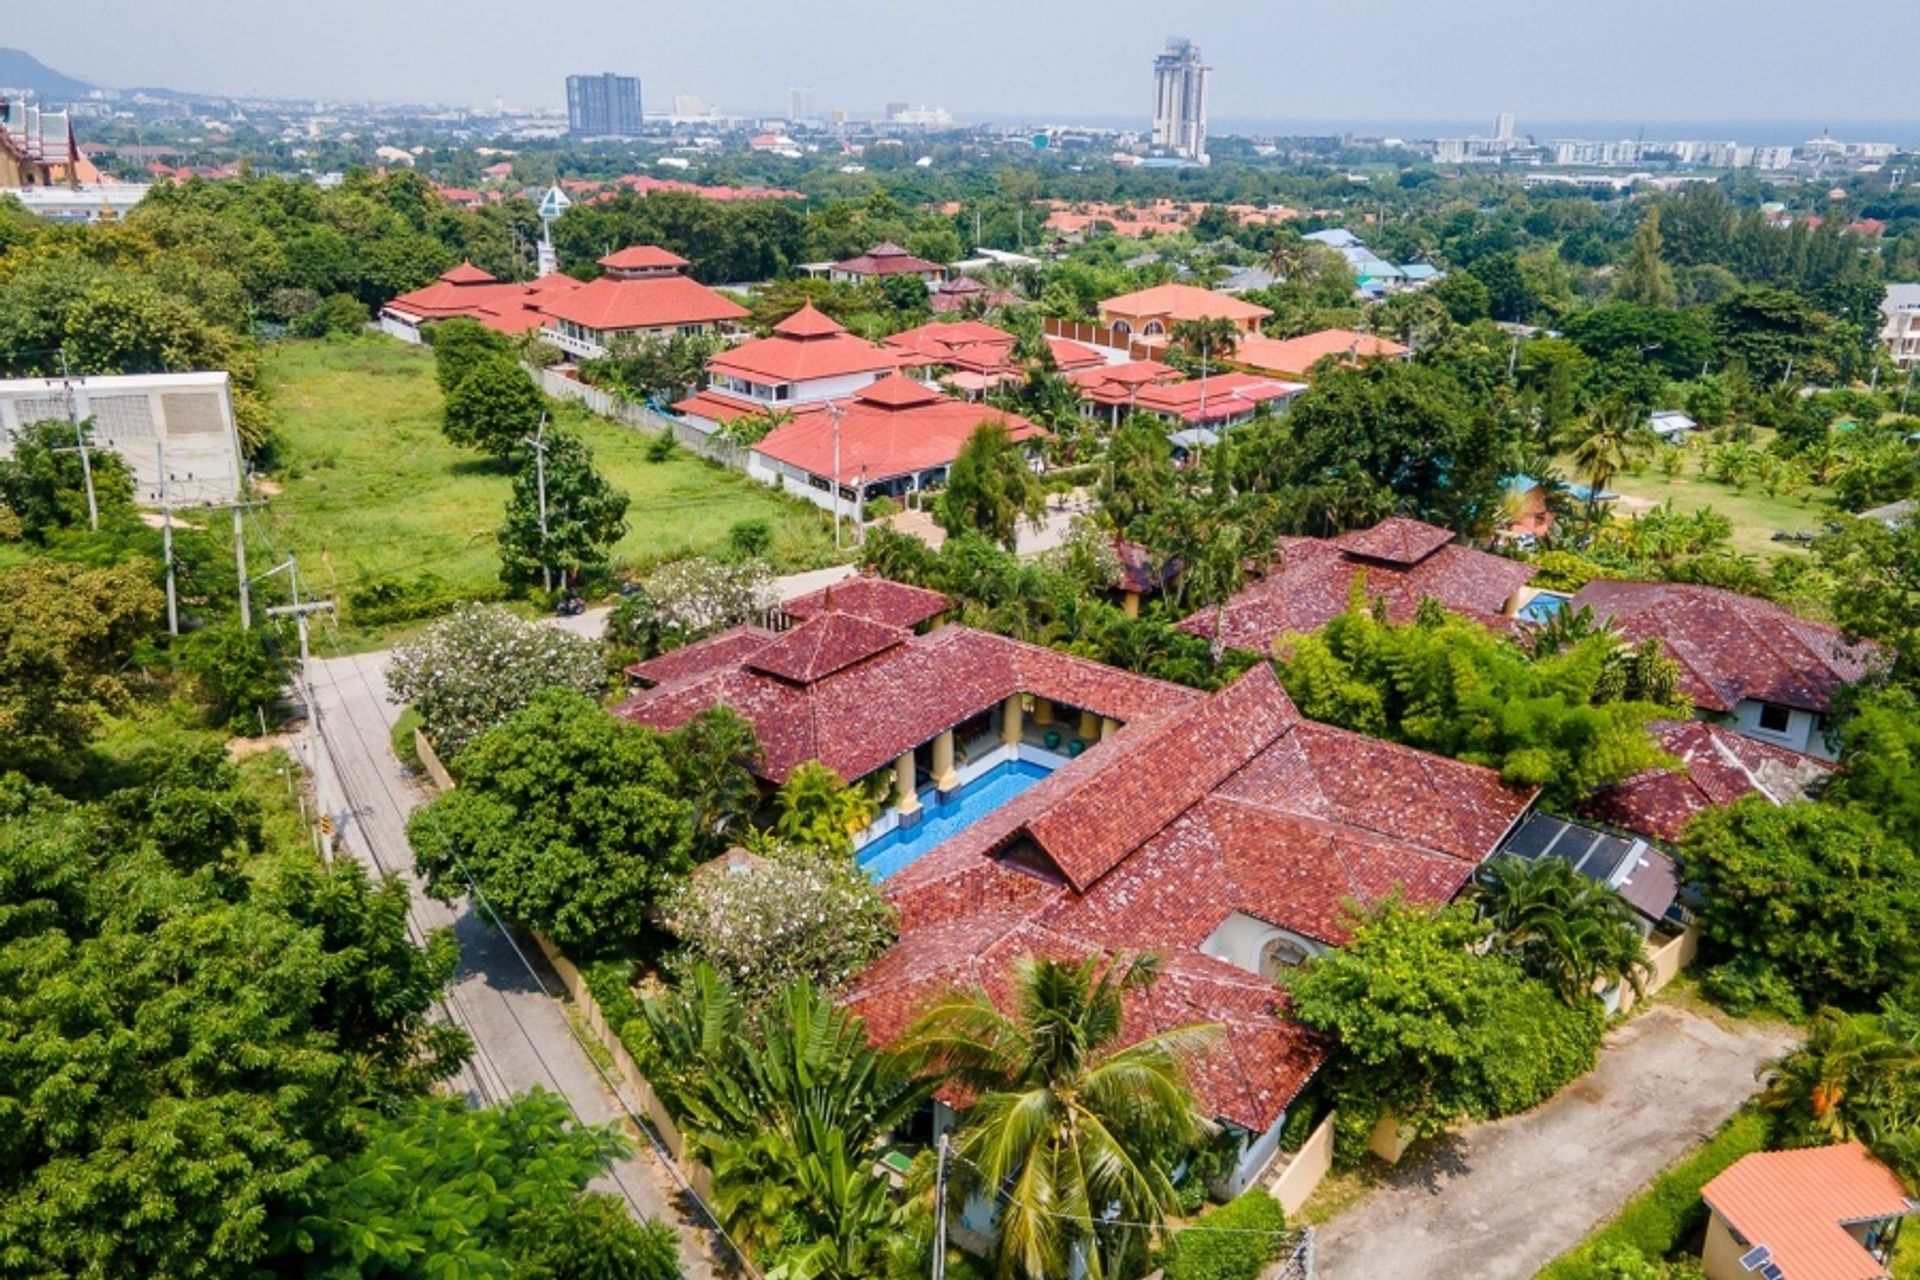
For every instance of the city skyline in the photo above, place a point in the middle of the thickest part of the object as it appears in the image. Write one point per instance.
(1492, 55)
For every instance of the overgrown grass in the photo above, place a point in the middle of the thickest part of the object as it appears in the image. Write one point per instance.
(370, 489)
(1660, 1218)
(405, 749)
(1755, 516)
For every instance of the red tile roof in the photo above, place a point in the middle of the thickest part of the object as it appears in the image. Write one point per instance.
(880, 599)
(887, 259)
(1732, 647)
(1297, 355)
(1717, 766)
(1313, 580)
(504, 306)
(804, 346)
(884, 433)
(1233, 804)
(643, 257)
(611, 303)
(806, 703)
(725, 649)
(1118, 384)
(1212, 399)
(1176, 302)
(960, 344)
(816, 649)
(1070, 357)
(1799, 1203)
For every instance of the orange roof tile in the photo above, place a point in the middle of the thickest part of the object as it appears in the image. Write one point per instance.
(1175, 302)
(1795, 1202)
(642, 257)
(611, 303)
(1298, 355)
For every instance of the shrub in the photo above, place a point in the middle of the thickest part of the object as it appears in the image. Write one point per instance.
(879, 508)
(662, 447)
(750, 539)
(469, 672)
(687, 599)
(342, 313)
(382, 601)
(1215, 1248)
(802, 915)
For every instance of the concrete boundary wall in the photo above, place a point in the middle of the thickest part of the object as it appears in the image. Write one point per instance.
(1304, 1169)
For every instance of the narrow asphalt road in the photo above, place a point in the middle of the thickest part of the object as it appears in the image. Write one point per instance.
(519, 1029)
(1501, 1200)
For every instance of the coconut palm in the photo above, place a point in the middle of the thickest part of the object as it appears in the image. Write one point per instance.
(818, 810)
(1851, 1078)
(1209, 338)
(1572, 932)
(1614, 437)
(1068, 1127)
(1287, 255)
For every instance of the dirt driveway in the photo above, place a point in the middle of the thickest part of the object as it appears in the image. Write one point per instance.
(1501, 1200)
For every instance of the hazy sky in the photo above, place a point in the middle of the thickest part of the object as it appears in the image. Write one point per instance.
(1383, 59)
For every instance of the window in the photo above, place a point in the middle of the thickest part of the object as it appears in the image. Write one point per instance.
(1775, 718)
(1154, 329)
(1280, 955)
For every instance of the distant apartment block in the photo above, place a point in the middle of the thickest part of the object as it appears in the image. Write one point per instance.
(606, 105)
(1180, 100)
(1901, 330)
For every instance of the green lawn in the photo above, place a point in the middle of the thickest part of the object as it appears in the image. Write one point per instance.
(1755, 516)
(369, 488)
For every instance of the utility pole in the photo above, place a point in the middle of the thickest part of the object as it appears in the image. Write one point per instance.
(299, 611)
(940, 1209)
(80, 439)
(240, 569)
(166, 535)
(539, 443)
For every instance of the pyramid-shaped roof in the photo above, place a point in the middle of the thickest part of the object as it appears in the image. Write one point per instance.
(809, 322)
(896, 391)
(467, 273)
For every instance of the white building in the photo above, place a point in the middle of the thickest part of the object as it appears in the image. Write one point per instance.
(184, 420)
(1901, 332)
(1180, 100)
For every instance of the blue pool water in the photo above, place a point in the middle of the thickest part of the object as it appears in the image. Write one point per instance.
(939, 821)
(1543, 606)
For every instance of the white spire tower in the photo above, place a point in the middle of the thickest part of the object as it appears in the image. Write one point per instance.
(552, 205)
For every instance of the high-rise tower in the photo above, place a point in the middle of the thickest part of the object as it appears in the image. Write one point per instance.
(1180, 100)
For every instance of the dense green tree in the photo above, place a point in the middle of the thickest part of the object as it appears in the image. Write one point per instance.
(1676, 343)
(495, 408)
(1391, 435)
(1875, 577)
(1570, 931)
(1449, 685)
(460, 345)
(1644, 279)
(568, 819)
(444, 1189)
(584, 515)
(1067, 1118)
(991, 488)
(817, 809)
(1137, 477)
(67, 634)
(1820, 895)
(1777, 335)
(1433, 1030)
(239, 674)
(44, 483)
(1464, 296)
(1856, 1077)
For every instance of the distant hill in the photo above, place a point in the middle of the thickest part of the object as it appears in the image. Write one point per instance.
(21, 70)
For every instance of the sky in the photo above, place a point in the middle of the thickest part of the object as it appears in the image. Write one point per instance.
(1648, 60)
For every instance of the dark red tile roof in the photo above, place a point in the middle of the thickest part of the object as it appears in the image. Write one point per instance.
(887, 259)
(1314, 578)
(1229, 805)
(1732, 647)
(1717, 766)
(504, 306)
(859, 715)
(815, 650)
(726, 649)
(879, 599)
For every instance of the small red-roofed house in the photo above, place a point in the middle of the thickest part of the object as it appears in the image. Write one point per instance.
(1816, 1213)
(1295, 357)
(1403, 562)
(642, 294)
(1150, 314)
(1748, 662)
(809, 358)
(883, 260)
(505, 306)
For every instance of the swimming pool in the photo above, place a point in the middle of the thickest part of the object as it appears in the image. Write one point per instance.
(1543, 606)
(942, 820)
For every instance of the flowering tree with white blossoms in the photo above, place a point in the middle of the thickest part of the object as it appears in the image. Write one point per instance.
(472, 669)
(800, 914)
(688, 599)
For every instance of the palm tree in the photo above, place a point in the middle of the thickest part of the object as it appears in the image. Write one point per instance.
(1572, 932)
(1286, 255)
(1851, 1078)
(1209, 338)
(818, 810)
(1067, 1127)
(1615, 436)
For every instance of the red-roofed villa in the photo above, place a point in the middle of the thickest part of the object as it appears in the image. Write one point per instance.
(641, 295)
(505, 306)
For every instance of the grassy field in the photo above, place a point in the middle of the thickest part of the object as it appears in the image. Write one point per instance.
(1755, 516)
(369, 488)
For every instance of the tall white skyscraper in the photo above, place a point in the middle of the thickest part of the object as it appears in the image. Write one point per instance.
(1180, 100)
(800, 103)
(1503, 127)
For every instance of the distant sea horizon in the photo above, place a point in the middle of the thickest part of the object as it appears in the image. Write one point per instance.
(1782, 130)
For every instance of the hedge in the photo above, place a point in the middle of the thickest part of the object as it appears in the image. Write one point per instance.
(1214, 1248)
(1660, 1217)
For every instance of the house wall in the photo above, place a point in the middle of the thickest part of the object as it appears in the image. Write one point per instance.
(1240, 939)
(1720, 1256)
(1667, 960)
(398, 327)
(1305, 1169)
(1803, 729)
(1253, 1162)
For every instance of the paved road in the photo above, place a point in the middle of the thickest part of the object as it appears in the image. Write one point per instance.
(520, 1032)
(1503, 1199)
